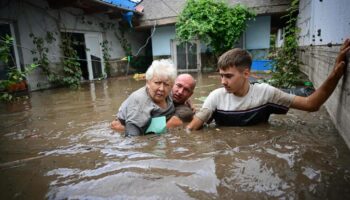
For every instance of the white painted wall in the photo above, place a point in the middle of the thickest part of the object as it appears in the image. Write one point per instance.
(161, 38)
(331, 17)
(36, 17)
(257, 35)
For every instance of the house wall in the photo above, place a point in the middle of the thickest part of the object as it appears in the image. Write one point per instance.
(323, 22)
(256, 39)
(332, 18)
(257, 36)
(36, 17)
(161, 40)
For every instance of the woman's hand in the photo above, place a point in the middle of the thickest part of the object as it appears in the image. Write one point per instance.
(117, 126)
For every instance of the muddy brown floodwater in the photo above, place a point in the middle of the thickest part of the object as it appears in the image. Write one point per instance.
(58, 145)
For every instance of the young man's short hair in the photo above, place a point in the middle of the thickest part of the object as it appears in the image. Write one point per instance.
(235, 58)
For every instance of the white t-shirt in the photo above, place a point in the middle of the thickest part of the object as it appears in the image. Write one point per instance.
(255, 107)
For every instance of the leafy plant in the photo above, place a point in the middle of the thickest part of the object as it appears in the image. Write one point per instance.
(14, 75)
(5, 46)
(213, 22)
(285, 60)
(71, 66)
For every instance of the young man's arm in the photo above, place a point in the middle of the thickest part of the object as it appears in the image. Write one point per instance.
(316, 99)
(195, 124)
(202, 116)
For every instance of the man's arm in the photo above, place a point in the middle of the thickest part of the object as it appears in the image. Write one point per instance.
(173, 122)
(190, 104)
(195, 124)
(316, 99)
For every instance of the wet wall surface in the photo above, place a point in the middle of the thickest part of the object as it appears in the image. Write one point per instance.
(58, 145)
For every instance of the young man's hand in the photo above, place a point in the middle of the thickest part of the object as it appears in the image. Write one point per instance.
(315, 100)
(341, 62)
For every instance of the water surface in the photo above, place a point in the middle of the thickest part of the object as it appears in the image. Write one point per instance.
(58, 145)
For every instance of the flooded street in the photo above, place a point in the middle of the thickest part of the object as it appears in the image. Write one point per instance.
(58, 145)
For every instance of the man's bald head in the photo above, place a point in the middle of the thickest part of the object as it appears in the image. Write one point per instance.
(183, 88)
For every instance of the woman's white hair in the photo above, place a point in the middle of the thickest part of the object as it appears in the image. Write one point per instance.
(162, 68)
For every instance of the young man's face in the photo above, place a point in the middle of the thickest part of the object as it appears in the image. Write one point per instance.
(234, 80)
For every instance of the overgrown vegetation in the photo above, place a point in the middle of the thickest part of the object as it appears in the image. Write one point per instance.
(71, 67)
(213, 22)
(71, 73)
(15, 78)
(285, 59)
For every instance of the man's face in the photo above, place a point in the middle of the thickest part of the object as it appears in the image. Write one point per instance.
(182, 89)
(159, 88)
(234, 80)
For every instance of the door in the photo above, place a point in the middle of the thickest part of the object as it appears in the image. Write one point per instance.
(186, 56)
(94, 55)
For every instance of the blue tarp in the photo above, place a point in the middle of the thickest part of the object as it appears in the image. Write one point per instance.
(128, 4)
(261, 65)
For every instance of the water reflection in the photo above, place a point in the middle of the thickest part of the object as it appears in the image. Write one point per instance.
(58, 145)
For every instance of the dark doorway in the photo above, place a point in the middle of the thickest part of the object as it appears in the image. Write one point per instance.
(79, 45)
(4, 67)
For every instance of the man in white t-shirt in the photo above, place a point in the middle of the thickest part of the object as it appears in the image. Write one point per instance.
(240, 103)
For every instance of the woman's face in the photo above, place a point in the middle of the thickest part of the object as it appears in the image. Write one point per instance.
(159, 88)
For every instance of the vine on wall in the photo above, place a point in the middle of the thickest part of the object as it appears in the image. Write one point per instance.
(71, 67)
(41, 50)
(71, 74)
(123, 41)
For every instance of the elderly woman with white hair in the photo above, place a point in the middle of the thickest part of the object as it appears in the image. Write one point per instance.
(151, 101)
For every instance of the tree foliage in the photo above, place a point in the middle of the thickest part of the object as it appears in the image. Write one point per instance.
(213, 22)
